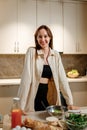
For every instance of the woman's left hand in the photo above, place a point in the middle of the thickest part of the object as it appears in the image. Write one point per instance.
(71, 107)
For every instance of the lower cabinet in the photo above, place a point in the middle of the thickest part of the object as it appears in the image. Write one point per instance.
(6, 95)
(7, 92)
(79, 92)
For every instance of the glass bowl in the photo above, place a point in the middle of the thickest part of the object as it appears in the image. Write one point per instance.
(76, 121)
(56, 110)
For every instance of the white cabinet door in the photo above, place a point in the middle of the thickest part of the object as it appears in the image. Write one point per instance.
(50, 13)
(42, 12)
(82, 28)
(79, 93)
(7, 93)
(27, 24)
(56, 24)
(75, 28)
(70, 28)
(8, 25)
(17, 25)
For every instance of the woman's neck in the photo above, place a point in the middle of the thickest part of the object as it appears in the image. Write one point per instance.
(46, 51)
(46, 54)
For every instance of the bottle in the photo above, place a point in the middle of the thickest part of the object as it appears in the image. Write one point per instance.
(16, 113)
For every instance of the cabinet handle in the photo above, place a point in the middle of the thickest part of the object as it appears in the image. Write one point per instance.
(77, 46)
(15, 47)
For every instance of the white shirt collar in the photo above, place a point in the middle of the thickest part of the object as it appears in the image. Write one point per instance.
(40, 52)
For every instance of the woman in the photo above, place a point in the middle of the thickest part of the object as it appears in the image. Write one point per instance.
(42, 74)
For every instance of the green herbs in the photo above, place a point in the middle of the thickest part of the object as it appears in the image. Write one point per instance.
(76, 121)
(57, 111)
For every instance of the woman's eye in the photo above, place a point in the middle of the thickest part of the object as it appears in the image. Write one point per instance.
(45, 36)
(39, 36)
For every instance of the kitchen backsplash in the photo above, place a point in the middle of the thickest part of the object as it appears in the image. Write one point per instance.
(11, 66)
(75, 61)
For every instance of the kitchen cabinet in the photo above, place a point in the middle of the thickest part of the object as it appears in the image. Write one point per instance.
(56, 24)
(8, 26)
(50, 13)
(19, 20)
(7, 93)
(42, 12)
(75, 27)
(17, 25)
(27, 24)
(79, 93)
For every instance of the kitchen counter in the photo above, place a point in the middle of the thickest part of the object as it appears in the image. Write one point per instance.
(79, 79)
(10, 81)
(17, 81)
(39, 116)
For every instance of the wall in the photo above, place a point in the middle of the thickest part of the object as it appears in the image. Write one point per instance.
(11, 66)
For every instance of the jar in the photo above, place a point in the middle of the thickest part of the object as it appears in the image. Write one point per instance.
(16, 113)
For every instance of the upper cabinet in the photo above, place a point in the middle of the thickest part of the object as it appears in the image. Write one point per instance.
(17, 25)
(8, 26)
(26, 24)
(75, 28)
(19, 20)
(56, 25)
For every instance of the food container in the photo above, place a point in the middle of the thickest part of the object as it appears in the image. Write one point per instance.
(52, 120)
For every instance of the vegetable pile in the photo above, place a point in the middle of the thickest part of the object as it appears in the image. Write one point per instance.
(73, 73)
(76, 121)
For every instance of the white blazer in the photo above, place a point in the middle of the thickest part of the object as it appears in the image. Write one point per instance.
(31, 76)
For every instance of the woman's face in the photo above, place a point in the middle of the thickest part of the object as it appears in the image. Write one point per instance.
(43, 38)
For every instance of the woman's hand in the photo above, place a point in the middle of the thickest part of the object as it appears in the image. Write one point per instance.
(25, 113)
(71, 107)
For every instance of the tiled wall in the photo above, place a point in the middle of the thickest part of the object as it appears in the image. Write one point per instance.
(11, 66)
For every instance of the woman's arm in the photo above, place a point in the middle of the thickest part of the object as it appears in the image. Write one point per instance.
(64, 87)
(25, 81)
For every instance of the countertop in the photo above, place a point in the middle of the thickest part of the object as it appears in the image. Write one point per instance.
(79, 79)
(17, 80)
(10, 81)
(39, 116)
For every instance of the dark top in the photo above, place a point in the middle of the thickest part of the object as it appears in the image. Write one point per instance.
(41, 97)
(47, 73)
